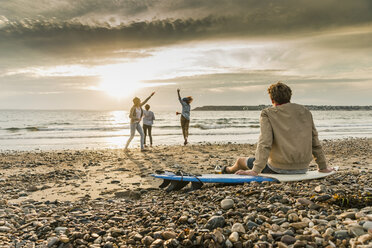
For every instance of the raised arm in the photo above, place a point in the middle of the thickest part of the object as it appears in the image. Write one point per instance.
(146, 100)
(179, 96)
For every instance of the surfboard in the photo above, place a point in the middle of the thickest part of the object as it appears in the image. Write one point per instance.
(179, 180)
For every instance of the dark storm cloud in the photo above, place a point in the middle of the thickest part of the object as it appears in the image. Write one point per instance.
(80, 29)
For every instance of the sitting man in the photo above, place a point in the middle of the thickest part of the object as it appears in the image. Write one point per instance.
(287, 141)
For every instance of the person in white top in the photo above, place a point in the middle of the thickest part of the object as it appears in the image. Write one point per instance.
(148, 120)
(135, 115)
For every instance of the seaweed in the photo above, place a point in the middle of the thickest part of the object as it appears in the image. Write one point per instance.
(352, 200)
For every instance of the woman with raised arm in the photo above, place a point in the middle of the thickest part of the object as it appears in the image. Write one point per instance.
(135, 115)
(185, 115)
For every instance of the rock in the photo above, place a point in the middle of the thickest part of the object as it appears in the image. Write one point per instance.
(356, 231)
(228, 244)
(323, 198)
(169, 235)
(299, 225)
(219, 236)
(364, 238)
(250, 225)
(171, 243)
(237, 227)
(157, 243)
(147, 240)
(227, 204)
(60, 230)
(288, 240)
(281, 245)
(64, 239)
(293, 217)
(299, 244)
(350, 215)
(183, 219)
(320, 188)
(5, 229)
(367, 225)
(129, 194)
(214, 222)
(304, 201)
(32, 188)
(341, 234)
(234, 237)
(52, 241)
(329, 232)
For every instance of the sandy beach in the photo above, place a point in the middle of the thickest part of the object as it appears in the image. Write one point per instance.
(107, 198)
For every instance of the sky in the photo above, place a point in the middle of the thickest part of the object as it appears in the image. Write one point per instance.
(98, 55)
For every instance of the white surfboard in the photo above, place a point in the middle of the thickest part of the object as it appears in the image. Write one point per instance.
(299, 177)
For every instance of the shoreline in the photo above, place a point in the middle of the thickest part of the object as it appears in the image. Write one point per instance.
(106, 198)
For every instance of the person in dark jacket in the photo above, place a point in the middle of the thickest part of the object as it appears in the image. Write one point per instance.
(135, 115)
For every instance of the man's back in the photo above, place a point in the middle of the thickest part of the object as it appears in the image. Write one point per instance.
(288, 137)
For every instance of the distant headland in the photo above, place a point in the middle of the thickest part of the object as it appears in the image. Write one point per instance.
(260, 107)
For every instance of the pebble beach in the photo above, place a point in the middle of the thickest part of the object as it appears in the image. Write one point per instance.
(107, 198)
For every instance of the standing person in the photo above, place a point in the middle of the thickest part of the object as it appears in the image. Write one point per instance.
(185, 115)
(148, 120)
(288, 139)
(135, 115)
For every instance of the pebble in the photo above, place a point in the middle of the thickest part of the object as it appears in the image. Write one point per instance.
(367, 225)
(238, 227)
(214, 222)
(252, 215)
(234, 237)
(227, 204)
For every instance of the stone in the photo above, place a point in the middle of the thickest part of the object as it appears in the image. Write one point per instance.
(281, 245)
(299, 225)
(169, 235)
(157, 243)
(52, 241)
(238, 227)
(60, 230)
(293, 217)
(304, 201)
(147, 240)
(288, 240)
(350, 215)
(341, 234)
(356, 231)
(5, 229)
(320, 188)
(228, 244)
(365, 238)
(219, 236)
(227, 204)
(323, 198)
(183, 219)
(64, 239)
(250, 225)
(234, 237)
(367, 225)
(214, 222)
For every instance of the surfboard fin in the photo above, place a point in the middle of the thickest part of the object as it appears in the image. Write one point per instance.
(196, 185)
(164, 184)
(176, 185)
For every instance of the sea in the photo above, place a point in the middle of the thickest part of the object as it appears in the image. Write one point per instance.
(28, 130)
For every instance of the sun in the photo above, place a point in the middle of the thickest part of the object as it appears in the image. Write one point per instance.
(121, 81)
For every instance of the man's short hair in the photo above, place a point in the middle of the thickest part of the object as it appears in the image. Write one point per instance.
(280, 93)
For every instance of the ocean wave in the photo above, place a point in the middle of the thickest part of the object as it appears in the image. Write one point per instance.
(16, 129)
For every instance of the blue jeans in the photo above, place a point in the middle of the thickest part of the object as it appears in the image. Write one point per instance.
(133, 127)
